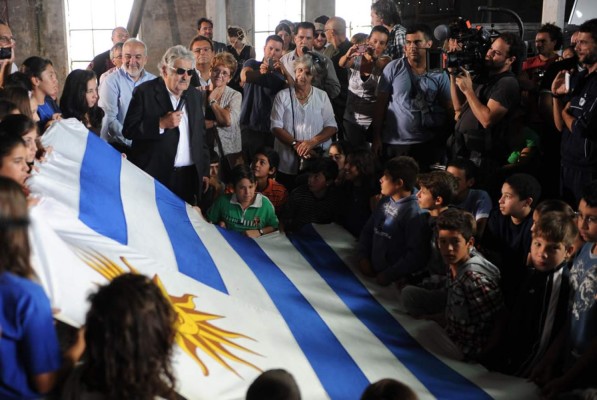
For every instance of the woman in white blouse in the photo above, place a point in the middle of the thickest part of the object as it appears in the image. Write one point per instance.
(302, 119)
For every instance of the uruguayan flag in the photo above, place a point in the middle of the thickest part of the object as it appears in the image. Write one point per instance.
(244, 305)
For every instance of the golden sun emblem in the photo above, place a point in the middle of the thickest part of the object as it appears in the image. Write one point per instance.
(195, 330)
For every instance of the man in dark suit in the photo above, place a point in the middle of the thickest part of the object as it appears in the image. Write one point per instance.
(166, 124)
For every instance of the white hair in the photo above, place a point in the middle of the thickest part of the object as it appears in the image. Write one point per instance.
(176, 53)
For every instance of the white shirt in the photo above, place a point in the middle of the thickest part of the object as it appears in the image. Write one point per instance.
(309, 120)
(183, 151)
(202, 81)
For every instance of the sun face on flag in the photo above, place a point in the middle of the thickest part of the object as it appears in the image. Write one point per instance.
(195, 331)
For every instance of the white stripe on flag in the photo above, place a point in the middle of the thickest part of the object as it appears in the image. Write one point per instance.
(360, 343)
(141, 213)
(428, 333)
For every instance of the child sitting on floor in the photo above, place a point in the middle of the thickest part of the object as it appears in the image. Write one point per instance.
(571, 361)
(426, 294)
(392, 244)
(474, 299)
(316, 202)
(507, 238)
(244, 210)
(541, 306)
(265, 164)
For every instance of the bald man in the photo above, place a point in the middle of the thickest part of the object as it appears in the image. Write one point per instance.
(102, 62)
(338, 45)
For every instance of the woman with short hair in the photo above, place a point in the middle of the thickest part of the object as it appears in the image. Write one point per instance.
(302, 121)
(222, 113)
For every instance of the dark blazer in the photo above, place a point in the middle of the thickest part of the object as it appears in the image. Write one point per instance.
(154, 152)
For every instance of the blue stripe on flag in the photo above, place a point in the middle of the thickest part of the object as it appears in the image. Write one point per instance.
(338, 373)
(192, 256)
(442, 381)
(100, 204)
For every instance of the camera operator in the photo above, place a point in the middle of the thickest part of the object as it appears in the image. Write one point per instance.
(576, 117)
(412, 104)
(483, 112)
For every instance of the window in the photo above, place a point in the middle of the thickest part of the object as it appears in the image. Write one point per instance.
(268, 13)
(89, 27)
(357, 15)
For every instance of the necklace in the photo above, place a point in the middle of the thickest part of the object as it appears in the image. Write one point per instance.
(306, 96)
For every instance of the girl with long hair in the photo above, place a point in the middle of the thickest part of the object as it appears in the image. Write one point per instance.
(13, 158)
(30, 361)
(22, 126)
(44, 82)
(79, 99)
(129, 334)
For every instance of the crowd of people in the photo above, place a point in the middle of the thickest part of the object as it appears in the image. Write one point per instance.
(458, 186)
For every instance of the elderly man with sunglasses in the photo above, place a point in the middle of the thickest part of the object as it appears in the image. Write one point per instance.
(165, 121)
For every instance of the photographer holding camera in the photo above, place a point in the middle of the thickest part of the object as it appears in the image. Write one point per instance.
(575, 115)
(484, 112)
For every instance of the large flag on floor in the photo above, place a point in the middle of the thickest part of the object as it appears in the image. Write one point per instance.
(244, 305)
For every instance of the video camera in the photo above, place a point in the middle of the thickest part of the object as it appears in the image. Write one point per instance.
(473, 44)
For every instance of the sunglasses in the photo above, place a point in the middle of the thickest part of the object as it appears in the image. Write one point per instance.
(319, 34)
(181, 71)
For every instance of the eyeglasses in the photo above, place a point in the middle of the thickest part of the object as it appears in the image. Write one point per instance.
(7, 39)
(589, 219)
(223, 74)
(181, 71)
(319, 34)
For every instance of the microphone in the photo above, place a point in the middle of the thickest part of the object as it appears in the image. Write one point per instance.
(182, 101)
(441, 32)
(316, 57)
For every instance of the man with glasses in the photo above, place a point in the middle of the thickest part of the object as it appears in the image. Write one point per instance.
(203, 49)
(165, 121)
(103, 62)
(412, 104)
(116, 91)
(116, 58)
(7, 47)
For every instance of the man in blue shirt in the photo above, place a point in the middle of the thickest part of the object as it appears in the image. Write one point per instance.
(116, 92)
(412, 104)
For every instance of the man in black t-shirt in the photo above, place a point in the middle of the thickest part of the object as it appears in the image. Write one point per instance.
(577, 118)
(483, 112)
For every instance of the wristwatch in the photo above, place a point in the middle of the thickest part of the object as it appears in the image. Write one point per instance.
(294, 142)
(212, 102)
(261, 232)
